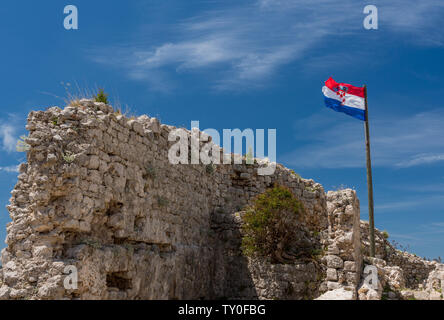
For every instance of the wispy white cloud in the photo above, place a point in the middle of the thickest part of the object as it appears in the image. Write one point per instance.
(420, 19)
(432, 200)
(424, 236)
(10, 169)
(435, 228)
(438, 224)
(406, 237)
(10, 128)
(396, 205)
(396, 142)
(245, 44)
(422, 159)
(8, 137)
(424, 188)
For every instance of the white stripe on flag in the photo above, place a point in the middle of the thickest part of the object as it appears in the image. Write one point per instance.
(351, 101)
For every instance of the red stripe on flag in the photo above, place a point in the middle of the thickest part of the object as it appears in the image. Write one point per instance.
(356, 91)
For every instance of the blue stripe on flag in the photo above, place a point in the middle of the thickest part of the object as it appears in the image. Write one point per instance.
(336, 105)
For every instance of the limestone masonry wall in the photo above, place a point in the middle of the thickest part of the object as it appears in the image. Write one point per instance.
(99, 193)
(344, 259)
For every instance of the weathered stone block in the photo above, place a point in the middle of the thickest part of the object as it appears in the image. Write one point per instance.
(334, 262)
(332, 274)
(350, 266)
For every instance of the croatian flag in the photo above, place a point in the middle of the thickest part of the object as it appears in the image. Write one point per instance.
(343, 97)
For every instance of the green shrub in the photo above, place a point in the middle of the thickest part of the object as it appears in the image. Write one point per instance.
(317, 252)
(68, 156)
(92, 243)
(270, 223)
(150, 172)
(101, 96)
(209, 168)
(162, 201)
(385, 234)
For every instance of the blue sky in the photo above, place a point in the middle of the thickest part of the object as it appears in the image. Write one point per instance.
(253, 64)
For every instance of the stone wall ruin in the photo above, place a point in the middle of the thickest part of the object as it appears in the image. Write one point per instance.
(97, 192)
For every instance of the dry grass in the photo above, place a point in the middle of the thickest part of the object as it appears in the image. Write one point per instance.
(75, 93)
(123, 109)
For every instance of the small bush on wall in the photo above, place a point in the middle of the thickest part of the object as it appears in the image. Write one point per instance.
(270, 224)
(101, 97)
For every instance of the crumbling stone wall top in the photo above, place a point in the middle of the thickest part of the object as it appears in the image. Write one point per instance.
(98, 193)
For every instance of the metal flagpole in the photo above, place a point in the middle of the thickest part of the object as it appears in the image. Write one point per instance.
(369, 179)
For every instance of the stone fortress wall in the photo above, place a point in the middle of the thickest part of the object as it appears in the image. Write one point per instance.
(99, 193)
